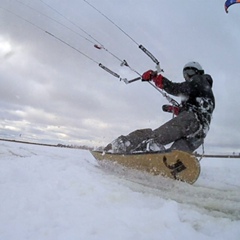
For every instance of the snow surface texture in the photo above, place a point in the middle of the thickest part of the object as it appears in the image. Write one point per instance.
(59, 193)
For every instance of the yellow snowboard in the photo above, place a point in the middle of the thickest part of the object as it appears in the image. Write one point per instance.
(176, 164)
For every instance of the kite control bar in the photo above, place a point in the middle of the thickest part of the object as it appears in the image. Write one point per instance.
(152, 57)
(130, 81)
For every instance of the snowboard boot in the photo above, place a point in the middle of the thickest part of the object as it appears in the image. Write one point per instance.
(149, 146)
(119, 145)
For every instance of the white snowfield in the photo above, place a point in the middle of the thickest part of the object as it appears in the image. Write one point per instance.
(49, 193)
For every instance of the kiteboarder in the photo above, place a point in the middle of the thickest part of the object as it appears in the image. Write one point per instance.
(188, 129)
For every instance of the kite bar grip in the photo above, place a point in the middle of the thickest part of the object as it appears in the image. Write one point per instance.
(152, 57)
(149, 54)
(134, 80)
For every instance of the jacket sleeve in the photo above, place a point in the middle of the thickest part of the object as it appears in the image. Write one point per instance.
(176, 89)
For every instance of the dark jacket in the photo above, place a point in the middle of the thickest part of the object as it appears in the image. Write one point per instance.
(197, 96)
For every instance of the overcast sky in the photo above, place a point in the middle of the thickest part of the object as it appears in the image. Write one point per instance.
(49, 92)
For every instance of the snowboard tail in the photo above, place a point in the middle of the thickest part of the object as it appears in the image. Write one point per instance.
(177, 165)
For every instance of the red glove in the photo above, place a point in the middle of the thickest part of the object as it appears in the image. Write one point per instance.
(149, 75)
(158, 80)
(170, 108)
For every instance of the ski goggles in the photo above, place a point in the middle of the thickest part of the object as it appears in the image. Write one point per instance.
(189, 71)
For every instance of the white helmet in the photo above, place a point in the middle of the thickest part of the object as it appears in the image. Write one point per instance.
(190, 69)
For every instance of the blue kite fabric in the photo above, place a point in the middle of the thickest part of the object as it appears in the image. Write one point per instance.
(228, 3)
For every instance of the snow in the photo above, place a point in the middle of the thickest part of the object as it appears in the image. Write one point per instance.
(61, 193)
